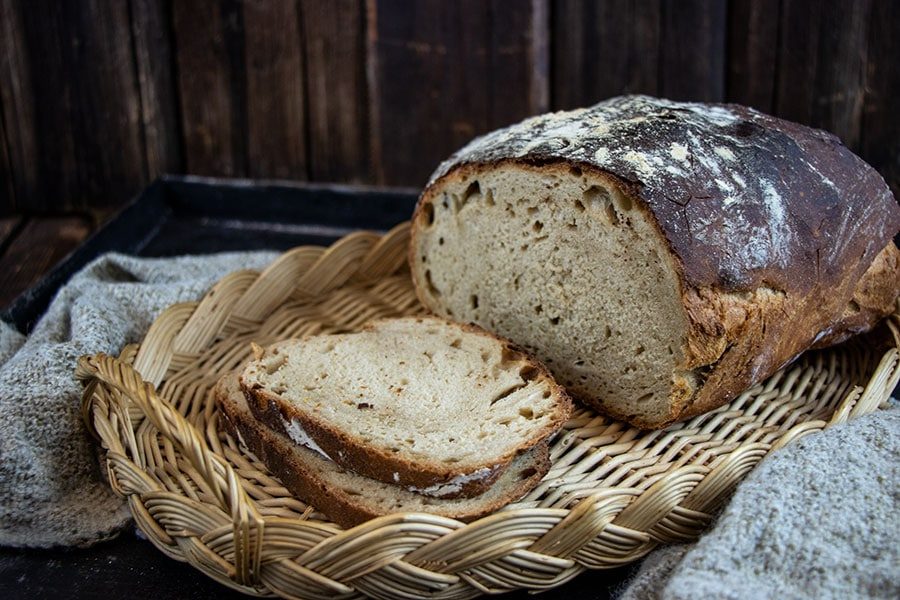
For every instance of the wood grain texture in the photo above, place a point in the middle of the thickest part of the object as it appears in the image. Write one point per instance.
(603, 49)
(275, 79)
(752, 52)
(209, 50)
(430, 70)
(7, 226)
(692, 50)
(19, 143)
(880, 136)
(337, 94)
(71, 105)
(7, 188)
(39, 245)
(152, 40)
(822, 65)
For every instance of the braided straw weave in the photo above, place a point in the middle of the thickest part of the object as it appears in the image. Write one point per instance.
(612, 494)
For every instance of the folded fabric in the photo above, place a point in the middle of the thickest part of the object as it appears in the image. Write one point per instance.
(51, 491)
(816, 519)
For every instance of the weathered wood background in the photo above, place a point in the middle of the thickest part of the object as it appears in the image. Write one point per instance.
(98, 97)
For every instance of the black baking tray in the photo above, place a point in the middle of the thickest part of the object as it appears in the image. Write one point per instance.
(179, 215)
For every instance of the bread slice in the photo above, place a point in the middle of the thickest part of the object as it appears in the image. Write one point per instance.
(659, 257)
(420, 402)
(348, 498)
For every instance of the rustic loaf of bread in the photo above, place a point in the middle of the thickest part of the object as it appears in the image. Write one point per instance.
(349, 498)
(433, 406)
(659, 257)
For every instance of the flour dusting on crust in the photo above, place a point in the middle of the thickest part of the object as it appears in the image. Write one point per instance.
(739, 195)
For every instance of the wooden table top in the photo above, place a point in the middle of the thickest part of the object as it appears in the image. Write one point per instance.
(31, 246)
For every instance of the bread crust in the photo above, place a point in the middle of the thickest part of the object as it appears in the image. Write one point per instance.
(294, 467)
(832, 272)
(353, 453)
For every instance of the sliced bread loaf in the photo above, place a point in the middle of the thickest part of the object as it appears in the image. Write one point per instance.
(348, 498)
(433, 406)
(660, 257)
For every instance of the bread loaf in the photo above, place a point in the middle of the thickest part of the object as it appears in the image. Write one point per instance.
(349, 498)
(659, 257)
(423, 403)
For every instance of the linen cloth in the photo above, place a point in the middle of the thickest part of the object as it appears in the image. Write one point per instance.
(51, 491)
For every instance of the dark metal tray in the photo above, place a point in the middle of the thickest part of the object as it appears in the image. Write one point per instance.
(193, 215)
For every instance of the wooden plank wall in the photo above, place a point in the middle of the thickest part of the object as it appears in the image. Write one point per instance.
(96, 99)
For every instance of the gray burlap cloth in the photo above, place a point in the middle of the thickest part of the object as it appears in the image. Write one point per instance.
(817, 519)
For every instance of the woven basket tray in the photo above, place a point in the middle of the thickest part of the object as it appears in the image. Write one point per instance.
(612, 494)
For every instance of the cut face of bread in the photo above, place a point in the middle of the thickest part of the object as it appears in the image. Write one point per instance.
(349, 498)
(423, 403)
(564, 263)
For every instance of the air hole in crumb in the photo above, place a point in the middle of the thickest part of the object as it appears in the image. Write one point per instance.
(440, 241)
(473, 301)
(531, 210)
(445, 202)
(484, 356)
(607, 332)
(452, 460)
(853, 306)
(431, 287)
(395, 450)
(622, 202)
(526, 412)
(554, 320)
(424, 258)
(579, 363)
(537, 226)
(539, 309)
(640, 350)
(579, 205)
(473, 190)
(509, 355)
(643, 399)
(528, 373)
(611, 214)
(489, 197)
(527, 473)
(428, 211)
(456, 343)
(546, 394)
(350, 492)
(575, 171)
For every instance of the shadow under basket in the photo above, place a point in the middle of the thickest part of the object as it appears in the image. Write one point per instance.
(612, 494)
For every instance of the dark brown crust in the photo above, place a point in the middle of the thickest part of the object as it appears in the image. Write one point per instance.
(283, 460)
(837, 274)
(356, 455)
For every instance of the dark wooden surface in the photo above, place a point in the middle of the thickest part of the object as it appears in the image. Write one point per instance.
(97, 99)
(29, 247)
